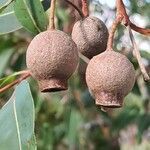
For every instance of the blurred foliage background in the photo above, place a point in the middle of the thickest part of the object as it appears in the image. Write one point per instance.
(69, 119)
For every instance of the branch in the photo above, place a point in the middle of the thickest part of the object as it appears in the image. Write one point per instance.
(76, 8)
(127, 22)
(138, 56)
(52, 15)
(139, 29)
(121, 11)
(85, 8)
(25, 74)
(122, 16)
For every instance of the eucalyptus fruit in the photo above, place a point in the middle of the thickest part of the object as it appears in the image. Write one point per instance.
(52, 58)
(90, 35)
(110, 76)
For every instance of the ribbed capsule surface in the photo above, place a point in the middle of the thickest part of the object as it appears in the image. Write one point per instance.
(90, 35)
(52, 57)
(110, 76)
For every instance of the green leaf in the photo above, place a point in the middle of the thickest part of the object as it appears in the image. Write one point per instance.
(62, 14)
(4, 58)
(9, 8)
(3, 2)
(17, 120)
(31, 15)
(127, 116)
(75, 121)
(9, 23)
(9, 79)
(145, 54)
(5, 5)
(143, 123)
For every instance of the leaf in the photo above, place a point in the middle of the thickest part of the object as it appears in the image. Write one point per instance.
(31, 15)
(145, 54)
(17, 120)
(9, 23)
(3, 2)
(75, 121)
(5, 5)
(9, 8)
(9, 79)
(62, 14)
(126, 117)
(4, 58)
(143, 124)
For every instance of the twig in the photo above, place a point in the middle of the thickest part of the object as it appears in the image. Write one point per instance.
(127, 22)
(117, 21)
(121, 11)
(112, 30)
(52, 15)
(76, 8)
(85, 8)
(138, 56)
(142, 87)
(139, 29)
(84, 58)
(25, 75)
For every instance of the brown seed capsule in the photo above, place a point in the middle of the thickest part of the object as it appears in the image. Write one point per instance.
(90, 35)
(110, 76)
(52, 57)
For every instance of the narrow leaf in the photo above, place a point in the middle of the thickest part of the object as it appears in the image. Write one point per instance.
(5, 5)
(75, 121)
(145, 54)
(31, 15)
(4, 58)
(9, 23)
(10, 78)
(17, 120)
(3, 2)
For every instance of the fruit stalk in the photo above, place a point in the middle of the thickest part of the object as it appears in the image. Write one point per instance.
(126, 21)
(117, 21)
(52, 15)
(85, 8)
(112, 30)
(121, 16)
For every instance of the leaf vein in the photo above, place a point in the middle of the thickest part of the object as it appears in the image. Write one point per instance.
(17, 125)
(31, 16)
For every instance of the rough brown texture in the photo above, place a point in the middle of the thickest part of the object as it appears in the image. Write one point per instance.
(91, 36)
(52, 57)
(110, 76)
